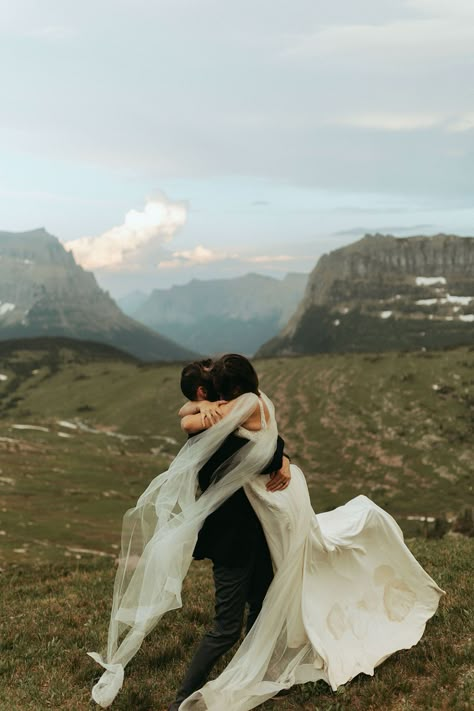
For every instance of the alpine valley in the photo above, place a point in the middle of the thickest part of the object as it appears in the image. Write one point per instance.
(220, 315)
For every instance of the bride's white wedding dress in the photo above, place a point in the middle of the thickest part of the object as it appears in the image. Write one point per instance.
(346, 594)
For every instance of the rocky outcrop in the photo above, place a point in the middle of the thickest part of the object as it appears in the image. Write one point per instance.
(385, 293)
(43, 292)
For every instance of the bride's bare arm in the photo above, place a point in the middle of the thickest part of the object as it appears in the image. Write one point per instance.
(194, 407)
(189, 408)
(201, 415)
(209, 414)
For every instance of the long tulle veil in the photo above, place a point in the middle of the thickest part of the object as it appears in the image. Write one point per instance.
(159, 535)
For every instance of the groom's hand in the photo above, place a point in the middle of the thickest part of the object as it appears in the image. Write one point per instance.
(280, 479)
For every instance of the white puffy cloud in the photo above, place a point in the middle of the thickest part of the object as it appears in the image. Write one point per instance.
(198, 256)
(157, 223)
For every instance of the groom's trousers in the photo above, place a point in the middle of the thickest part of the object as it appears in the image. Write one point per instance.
(235, 587)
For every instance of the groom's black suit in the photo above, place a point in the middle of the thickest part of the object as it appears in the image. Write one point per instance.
(232, 537)
(229, 534)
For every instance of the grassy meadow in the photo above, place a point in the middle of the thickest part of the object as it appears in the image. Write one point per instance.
(398, 427)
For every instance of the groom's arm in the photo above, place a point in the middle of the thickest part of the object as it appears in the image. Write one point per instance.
(280, 479)
(277, 460)
(230, 446)
(278, 469)
(189, 408)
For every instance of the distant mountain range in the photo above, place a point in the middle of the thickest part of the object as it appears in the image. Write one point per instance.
(220, 315)
(131, 302)
(43, 292)
(385, 293)
(379, 293)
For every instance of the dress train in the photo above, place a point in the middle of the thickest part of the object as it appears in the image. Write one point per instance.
(347, 594)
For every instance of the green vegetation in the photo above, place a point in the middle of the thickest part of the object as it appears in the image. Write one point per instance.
(396, 426)
(53, 614)
(323, 329)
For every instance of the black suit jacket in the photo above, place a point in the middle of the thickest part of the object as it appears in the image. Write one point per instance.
(232, 533)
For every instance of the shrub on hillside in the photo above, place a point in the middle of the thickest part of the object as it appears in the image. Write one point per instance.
(464, 523)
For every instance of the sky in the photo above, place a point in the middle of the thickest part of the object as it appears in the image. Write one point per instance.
(165, 140)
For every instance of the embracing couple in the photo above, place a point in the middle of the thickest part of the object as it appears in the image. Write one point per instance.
(328, 595)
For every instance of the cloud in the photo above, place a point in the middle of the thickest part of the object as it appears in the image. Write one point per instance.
(201, 256)
(389, 121)
(198, 256)
(464, 122)
(394, 121)
(444, 29)
(157, 223)
(462, 8)
(267, 258)
(296, 119)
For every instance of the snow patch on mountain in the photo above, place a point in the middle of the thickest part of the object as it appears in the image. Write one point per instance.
(5, 307)
(430, 281)
(448, 299)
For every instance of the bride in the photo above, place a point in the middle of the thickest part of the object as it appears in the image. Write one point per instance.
(346, 592)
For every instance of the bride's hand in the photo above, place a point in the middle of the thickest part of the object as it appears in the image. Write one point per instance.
(210, 411)
(280, 479)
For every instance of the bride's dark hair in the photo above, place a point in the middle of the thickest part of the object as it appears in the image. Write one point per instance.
(234, 375)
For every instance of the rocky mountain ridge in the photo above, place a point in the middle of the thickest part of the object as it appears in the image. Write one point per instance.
(43, 292)
(385, 293)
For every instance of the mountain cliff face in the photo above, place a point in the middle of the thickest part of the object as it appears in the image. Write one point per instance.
(385, 293)
(222, 314)
(44, 292)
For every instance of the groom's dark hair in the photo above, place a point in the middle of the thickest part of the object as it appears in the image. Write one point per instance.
(198, 374)
(233, 375)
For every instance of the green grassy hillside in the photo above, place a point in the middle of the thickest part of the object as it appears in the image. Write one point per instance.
(397, 427)
(83, 429)
(53, 614)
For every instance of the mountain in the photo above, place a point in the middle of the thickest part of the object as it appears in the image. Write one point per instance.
(223, 314)
(385, 293)
(132, 301)
(43, 292)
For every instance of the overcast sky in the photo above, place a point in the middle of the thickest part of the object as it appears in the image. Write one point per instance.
(168, 139)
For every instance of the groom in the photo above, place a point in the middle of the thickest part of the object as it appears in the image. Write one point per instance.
(233, 538)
